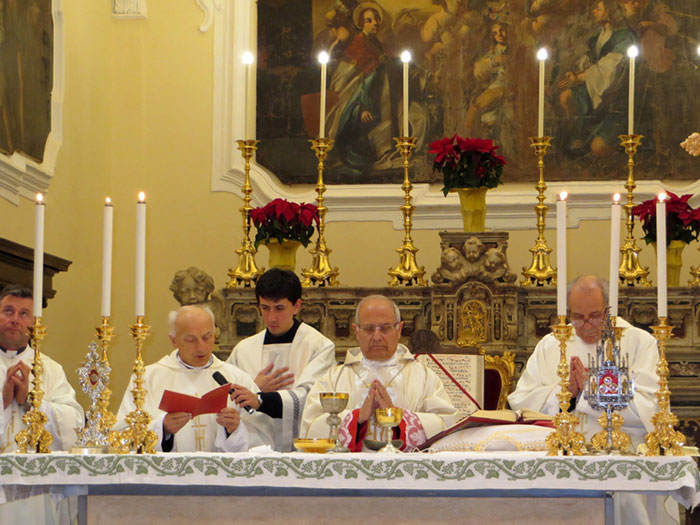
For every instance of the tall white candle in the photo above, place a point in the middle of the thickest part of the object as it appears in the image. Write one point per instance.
(632, 53)
(247, 114)
(542, 57)
(107, 258)
(141, 255)
(614, 254)
(323, 59)
(561, 254)
(661, 255)
(39, 210)
(405, 58)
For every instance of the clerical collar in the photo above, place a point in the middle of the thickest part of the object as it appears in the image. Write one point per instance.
(392, 361)
(287, 337)
(211, 360)
(13, 353)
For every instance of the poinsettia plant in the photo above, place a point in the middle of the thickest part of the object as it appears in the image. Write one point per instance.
(467, 162)
(682, 221)
(281, 219)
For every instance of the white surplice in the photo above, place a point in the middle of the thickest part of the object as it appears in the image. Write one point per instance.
(64, 414)
(202, 433)
(308, 357)
(538, 386)
(411, 385)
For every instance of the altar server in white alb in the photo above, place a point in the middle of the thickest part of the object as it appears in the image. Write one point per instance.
(538, 386)
(285, 359)
(63, 412)
(381, 373)
(188, 369)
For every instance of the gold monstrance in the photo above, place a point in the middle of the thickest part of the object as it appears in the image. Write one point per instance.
(35, 436)
(407, 270)
(540, 271)
(246, 272)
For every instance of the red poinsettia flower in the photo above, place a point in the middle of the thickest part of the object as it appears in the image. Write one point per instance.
(281, 219)
(443, 149)
(480, 145)
(682, 221)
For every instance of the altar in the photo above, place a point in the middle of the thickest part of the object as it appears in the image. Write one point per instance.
(297, 487)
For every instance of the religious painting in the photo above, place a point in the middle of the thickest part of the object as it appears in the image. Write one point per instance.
(26, 76)
(474, 72)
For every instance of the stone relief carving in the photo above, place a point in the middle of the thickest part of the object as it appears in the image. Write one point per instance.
(473, 260)
(195, 286)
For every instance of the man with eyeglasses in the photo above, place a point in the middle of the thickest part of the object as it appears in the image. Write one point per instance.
(538, 386)
(380, 373)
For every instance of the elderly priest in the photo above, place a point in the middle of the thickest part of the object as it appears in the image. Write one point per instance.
(381, 373)
(188, 370)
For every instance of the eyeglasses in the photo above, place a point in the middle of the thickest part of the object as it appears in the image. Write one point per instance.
(385, 328)
(594, 319)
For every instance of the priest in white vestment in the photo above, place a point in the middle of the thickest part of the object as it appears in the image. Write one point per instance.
(286, 359)
(381, 373)
(188, 370)
(538, 386)
(64, 414)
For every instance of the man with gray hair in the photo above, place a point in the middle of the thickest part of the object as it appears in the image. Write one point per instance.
(380, 373)
(188, 370)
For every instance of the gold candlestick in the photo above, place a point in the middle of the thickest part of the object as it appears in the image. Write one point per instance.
(663, 440)
(565, 440)
(246, 272)
(540, 271)
(321, 273)
(136, 436)
(630, 270)
(105, 332)
(407, 270)
(34, 436)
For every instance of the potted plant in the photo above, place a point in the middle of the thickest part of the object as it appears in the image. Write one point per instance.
(282, 226)
(682, 228)
(469, 166)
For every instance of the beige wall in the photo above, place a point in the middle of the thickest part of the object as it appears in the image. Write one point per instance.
(138, 116)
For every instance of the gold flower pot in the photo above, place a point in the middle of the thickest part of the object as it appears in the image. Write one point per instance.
(283, 255)
(674, 262)
(472, 203)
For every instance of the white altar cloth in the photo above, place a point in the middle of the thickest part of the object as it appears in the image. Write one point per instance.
(451, 473)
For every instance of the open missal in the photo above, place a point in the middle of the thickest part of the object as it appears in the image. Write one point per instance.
(494, 417)
(210, 403)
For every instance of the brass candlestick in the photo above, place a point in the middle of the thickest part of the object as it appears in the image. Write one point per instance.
(540, 271)
(321, 273)
(407, 271)
(246, 272)
(663, 440)
(565, 440)
(34, 436)
(136, 436)
(105, 332)
(630, 270)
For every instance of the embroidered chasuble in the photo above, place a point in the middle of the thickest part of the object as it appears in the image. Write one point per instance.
(202, 433)
(308, 356)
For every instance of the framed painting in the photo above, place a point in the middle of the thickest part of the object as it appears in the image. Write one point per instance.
(474, 73)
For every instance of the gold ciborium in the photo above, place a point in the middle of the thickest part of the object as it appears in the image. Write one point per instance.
(334, 403)
(388, 418)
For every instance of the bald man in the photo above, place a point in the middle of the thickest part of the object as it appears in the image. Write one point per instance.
(381, 373)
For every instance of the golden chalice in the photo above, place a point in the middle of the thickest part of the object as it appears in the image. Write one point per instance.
(334, 403)
(388, 418)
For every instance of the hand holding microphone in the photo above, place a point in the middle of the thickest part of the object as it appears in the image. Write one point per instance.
(240, 397)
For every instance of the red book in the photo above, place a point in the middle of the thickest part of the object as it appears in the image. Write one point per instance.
(210, 403)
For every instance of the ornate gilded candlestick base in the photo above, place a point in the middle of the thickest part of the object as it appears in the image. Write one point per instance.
(565, 440)
(664, 440)
(246, 272)
(136, 436)
(540, 271)
(612, 439)
(35, 437)
(105, 332)
(407, 272)
(631, 272)
(321, 273)
(695, 272)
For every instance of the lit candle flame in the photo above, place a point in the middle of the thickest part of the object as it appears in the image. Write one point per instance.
(248, 57)
(632, 52)
(662, 196)
(142, 197)
(542, 54)
(616, 198)
(108, 201)
(563, 195)
(406, 56)
(323, 57)
(39, 198)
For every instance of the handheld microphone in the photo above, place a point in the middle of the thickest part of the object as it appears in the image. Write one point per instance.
(219, 378)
